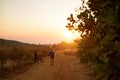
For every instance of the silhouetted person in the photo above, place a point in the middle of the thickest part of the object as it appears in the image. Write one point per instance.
(35, 57)
(51, 54)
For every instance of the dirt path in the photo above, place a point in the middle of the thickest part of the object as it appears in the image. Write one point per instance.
(65, 68)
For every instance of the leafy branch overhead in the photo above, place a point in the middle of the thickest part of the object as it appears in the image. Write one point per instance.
(83, 21)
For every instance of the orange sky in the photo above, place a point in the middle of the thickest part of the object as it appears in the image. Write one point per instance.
(36, 21)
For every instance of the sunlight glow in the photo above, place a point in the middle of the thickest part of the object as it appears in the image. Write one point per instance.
(69, 35)
(36, 21)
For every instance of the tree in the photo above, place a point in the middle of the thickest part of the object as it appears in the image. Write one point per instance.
(98, 22)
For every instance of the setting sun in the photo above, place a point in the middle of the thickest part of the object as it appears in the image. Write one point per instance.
(69, 35)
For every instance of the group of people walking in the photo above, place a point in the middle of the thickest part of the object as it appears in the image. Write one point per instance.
(50, 54)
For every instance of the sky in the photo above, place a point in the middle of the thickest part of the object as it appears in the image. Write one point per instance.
(36, 21)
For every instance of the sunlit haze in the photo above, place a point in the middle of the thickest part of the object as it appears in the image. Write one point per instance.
(36, 21)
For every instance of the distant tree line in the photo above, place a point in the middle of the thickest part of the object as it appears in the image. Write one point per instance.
(64, 45)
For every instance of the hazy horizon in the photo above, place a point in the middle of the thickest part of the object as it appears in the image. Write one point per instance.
(36, 21)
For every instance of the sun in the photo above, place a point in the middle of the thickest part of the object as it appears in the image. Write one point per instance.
(68, 36)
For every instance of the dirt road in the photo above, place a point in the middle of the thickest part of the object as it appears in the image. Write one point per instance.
(65, 68)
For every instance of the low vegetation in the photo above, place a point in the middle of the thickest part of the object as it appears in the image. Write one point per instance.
(16, 57)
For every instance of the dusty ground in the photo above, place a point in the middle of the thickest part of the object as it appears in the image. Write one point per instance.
(65, 68)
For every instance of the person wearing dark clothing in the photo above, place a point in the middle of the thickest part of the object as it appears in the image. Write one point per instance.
(35, 57)
(51, 54)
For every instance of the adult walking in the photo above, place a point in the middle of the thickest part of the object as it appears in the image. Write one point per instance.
(51, 54)
(35, 57)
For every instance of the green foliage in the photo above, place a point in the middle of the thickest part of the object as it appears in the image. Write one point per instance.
(99, 27)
